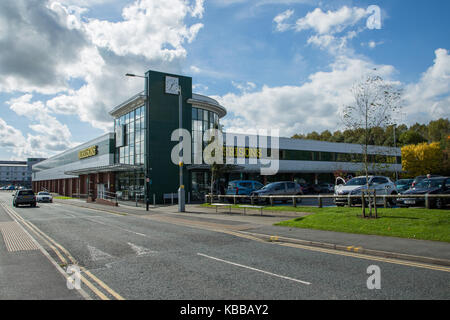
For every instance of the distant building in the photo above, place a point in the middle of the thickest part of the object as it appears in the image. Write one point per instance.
(17, 173)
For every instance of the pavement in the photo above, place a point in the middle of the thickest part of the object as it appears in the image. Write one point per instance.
(26, 271)
(262, 227)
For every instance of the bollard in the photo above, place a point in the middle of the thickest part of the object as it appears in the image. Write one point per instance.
(252, 201)
(349, 200)
(363, 204)
(385, 201)
(320, 201)
(375, 203)
(189, 197)
(427, 201)
(294, 201)
(234, 199)
(171, 195)
(154, 199)
(271, 201)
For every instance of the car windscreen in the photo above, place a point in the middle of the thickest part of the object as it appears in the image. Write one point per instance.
(269, 186)
(26, 193)
(425, 184)
(403, 182)
(356, 182)
(245, 185)
(43, 193)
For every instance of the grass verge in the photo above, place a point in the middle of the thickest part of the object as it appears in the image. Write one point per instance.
(62, 198)
(409, 223)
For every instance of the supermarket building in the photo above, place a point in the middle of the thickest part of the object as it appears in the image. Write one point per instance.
(135, 159)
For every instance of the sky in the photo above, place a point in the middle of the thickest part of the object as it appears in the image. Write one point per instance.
(286, 64)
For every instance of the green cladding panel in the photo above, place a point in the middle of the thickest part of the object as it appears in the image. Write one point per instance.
(162, 119)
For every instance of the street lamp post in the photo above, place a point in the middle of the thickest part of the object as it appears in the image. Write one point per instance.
(146, 164)
(181, 191)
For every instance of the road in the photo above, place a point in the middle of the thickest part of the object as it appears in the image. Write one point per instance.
(151, 257)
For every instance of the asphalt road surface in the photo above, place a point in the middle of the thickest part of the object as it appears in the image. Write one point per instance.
(137, 257)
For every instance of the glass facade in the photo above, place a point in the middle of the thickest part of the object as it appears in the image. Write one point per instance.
(202, 120)
(133, 124)
(130, 185)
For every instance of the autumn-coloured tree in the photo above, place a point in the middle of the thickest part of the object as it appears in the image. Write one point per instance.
(422, 158)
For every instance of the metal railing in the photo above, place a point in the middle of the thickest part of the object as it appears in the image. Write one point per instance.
(349, 198)
(106, 195)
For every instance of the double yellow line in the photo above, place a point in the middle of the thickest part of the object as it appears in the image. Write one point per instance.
(367, 257)
(65, 258)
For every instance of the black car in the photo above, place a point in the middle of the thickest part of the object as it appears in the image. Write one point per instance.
(24, 197)
(420, 178)
(440, 185)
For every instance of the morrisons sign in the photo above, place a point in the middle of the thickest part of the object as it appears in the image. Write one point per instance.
(88, 152)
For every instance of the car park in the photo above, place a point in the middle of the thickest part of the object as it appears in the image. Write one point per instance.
(355, 186)
(403, 184)
(438, 185)
(44, 196)
(24, 197)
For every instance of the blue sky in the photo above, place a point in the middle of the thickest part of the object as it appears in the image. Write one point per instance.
(287, 64)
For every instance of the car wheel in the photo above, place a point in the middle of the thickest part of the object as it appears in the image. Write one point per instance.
(439, 203)
(393, 201)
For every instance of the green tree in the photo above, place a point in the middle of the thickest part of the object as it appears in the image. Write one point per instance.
(411, 137)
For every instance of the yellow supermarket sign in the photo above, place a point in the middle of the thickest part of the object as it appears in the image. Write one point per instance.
(89, 152)
(241, 152)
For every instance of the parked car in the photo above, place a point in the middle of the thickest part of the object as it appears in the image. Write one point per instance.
(382, 186)
(439, 185)
(243, 187)
(308, 188)
(403, 184)
(278, 188)
(326, 188)
(420, 178)
(24, 197)
(44, 196)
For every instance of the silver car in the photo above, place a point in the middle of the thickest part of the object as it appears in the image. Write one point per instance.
(382, 185)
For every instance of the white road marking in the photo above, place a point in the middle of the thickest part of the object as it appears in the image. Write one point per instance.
(254, 269)
(97, 254)
(140, 250)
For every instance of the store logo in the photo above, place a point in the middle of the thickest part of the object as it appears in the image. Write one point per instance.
(89, 152)
(260, 149)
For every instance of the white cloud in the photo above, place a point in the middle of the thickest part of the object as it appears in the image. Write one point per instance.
(244, 87)
(314, 105)
(280, 20)
(50, 135)
(10, 137)
(52, 46)
(331, 21)
(429, 99)
(151, 28)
